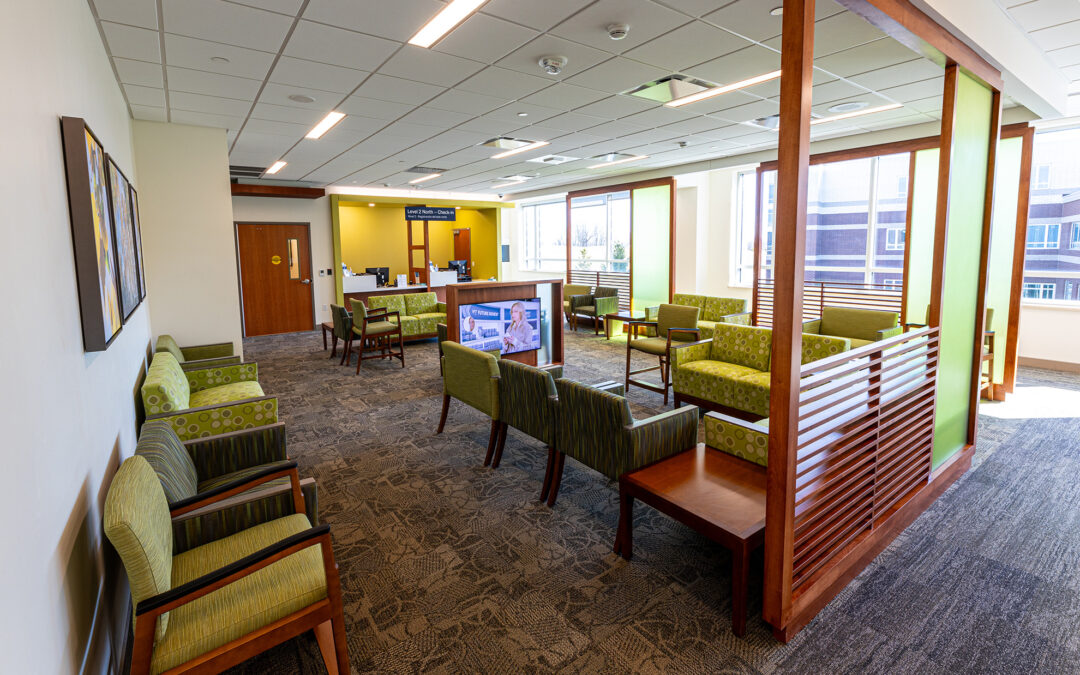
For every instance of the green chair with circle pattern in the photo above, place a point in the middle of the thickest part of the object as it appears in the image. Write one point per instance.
(198, 356)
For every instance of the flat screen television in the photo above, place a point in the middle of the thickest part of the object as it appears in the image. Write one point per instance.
(508, 325)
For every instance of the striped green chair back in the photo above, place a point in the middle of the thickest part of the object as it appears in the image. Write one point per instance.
(169, 459)
(593, 426)
(342, 322)
(527, 400)
(165, 388)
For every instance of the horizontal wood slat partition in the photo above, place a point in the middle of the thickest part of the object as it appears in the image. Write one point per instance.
(820, 294)
(619, 280)
(865, 443)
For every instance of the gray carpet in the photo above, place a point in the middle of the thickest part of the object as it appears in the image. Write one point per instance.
(448, 567)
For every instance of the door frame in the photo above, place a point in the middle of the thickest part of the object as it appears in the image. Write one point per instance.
(240, 275)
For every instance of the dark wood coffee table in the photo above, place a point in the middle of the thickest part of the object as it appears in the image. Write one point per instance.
(720, 496)
(621, 315)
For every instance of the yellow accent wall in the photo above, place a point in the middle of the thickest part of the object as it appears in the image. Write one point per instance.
(376, 236)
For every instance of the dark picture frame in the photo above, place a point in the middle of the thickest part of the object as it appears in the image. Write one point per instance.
(138, 242)
(91, 234)
(123, 225)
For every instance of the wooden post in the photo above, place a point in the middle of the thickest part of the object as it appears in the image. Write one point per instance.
(789, 255)
(1019, 251)
(759, 201)
(941, 220)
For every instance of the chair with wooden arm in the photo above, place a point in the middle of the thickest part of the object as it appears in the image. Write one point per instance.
(472, 377)
(342, 330)
(603, 301)
(191, 469)
(197, 356)
(217, 605)
(375, 328)
(674, 323)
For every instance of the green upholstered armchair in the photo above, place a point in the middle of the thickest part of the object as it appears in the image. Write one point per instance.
(604, 300)
(375, 328)
(191, 470)
(216, 605)
(861, 326)
(596, 428)
(418, 313)
(738, 438)
(199, 356)
(674, 323)
(342, 322)
(715, 310)
(471, 377)
(571, 290)
(207, 401)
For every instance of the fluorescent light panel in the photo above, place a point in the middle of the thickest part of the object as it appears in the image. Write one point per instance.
(444, 22)
(422, 179)
(716, 91)
(507, 184)
(325, 125)
(276, 166)
(524, 148)
(603, 165)
(856, 113)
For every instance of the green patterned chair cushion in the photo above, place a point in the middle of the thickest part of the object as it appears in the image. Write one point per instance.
(856, 343)
(165, 388)
(676, 316)
(706, 328)
(227, 393)
(816, 347)
(165, 452)
(588, 310)
(749, 441)
(750, 393)
(410, 325)
(392, 303)
(527, 400)
(689, 300)
(216, 376)
(246, 414)
(245, 605)
(748, 346)
(166, 343)
(709, 380)
(138, 525)
(376, 328)
(570, 290)
(421, 303)
(649, 345)
(688, 353)
(718, 308)
(862, 324)
(472, 377)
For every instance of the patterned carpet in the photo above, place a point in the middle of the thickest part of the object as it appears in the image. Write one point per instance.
(448, 567)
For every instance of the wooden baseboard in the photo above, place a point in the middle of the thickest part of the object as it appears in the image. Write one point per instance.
(1048, 364)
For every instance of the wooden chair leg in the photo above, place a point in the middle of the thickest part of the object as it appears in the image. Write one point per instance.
(345, 352)
(492, 437)
(547, 474)
(401, 346)
(663, 378)
(626, 383)
(500, 443)
(445, 409)
(556, 478)
(360, 352)
(142, 650)
(333, 342)
(333, 593)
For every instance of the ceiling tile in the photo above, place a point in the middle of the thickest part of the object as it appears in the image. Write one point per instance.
(695, 126)
(864, 58)
(397, 90)
(504, 82)
(435, 117)
(316, 42)
(151, 96)
(489, 126)
(290, 7)
(202, 119)
(316, 75)
(573, 121)
(148, 112)
(538, 15)
(834, 91)
(565, 96)
(716, 104)
(132, 43)
(370, 107)
(697, 7)
(617, 75)
(197, 54)
(749, 111)
(533, 113)
(289, 129)
(266, 148)
(213, 105)
(1066, 56)
(375, 17)
(142, 14)
(578, 57)
(660, 115)
(485, 38)
(646, 19)
(687, 46)
(141, 73)
(1056, 37)
(425, 65)
(359, 123)
(749, 18)
(226, 23)
(614, 130)
(211, 84)
(737, 66)
(615, 107)
(1040, 14)
(278, 94)
(281, 113)
(467, 102)
(903, 73)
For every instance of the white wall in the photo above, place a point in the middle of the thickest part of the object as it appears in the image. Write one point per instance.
(313, 211)
(510, 233)
(187, 227)
(1048, 333)
(68, 416)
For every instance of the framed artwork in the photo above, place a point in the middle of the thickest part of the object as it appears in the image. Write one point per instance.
(138, 242)
(123, 225)
(91, 234)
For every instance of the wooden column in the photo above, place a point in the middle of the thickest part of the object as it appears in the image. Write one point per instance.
(1019, 251)
(789, 255)
(941, 220)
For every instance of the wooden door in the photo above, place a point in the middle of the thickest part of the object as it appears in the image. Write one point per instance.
(275, 278)
(463, 247)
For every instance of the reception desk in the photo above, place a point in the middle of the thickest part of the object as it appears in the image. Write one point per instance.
(551, 312)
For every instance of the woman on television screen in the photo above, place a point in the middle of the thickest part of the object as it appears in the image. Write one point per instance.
(519, 334)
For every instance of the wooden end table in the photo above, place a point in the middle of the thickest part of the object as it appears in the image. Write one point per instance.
(719, 496)
(621, 315)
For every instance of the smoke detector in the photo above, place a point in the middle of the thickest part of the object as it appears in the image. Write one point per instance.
(850, 106)
(552, 65)
(618, 31)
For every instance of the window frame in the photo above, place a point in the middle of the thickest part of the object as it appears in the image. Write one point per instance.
(1044, 243)
(524, 226)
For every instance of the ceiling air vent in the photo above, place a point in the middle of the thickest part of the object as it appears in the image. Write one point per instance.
(552, 159)
(246, 171)
(505, 143)
(610, 157)
(670, 88)
(424, 169)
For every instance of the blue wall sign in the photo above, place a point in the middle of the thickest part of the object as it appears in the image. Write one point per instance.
(430, 213)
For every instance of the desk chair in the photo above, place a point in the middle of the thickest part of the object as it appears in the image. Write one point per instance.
(375, 330)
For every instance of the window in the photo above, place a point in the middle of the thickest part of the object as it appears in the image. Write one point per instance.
(743, 250)
(901, 188)
(1074, 236)
(1043, 235)
(1039, 291)
(543, 235)
(894, 239)
(1042, 177)
(600, 232)
(893, 283)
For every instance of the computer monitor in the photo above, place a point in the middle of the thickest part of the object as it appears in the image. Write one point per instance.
(459, 265)
(382, 274)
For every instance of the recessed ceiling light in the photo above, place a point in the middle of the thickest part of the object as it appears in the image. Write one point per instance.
(850, 106)
(325, 125)
(276, 166)
(300, 98)
(370, 204)
(776, 11)
(524, 148)
(716, 91)
(219, 59)
(422, 179)
(457, 208)
(604, 165)
(523, 114)
(445, 21)
(856, 113)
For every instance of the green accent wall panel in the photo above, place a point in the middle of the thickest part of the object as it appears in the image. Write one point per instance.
(1002, 245)
(650, 242)
(921, 242)
(967, 192)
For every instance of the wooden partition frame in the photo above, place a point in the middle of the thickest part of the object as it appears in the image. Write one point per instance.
(784, 609)
(495, 291)
(1023, 202)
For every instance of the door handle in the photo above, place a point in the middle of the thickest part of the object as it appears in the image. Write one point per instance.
(306, 281)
